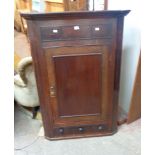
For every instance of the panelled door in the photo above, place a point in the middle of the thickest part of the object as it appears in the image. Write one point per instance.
(80, 80)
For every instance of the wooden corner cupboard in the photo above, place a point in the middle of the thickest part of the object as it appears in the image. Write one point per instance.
(77, 58)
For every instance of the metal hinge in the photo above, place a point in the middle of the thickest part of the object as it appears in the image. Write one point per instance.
(52, 91)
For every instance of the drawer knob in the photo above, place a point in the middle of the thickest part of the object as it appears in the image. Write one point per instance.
(55, 31)
(61, 130)
(100, 127)
(81, 129)
(97, 29)
(76, 28)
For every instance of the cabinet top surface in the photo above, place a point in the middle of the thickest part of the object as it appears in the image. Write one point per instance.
(77, 14)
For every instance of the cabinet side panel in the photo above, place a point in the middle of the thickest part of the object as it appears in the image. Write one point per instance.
(41, 75)
(120, 23)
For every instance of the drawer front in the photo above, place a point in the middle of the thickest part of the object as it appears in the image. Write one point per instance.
(78, 130)
(76, 32)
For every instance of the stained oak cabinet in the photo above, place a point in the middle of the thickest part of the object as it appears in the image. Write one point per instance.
(77, 59)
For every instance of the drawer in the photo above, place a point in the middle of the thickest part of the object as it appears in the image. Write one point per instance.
(99, 31)
(76, 32)
(80, 130)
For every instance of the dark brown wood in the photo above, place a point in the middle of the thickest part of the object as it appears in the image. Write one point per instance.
(77, 67)
(77, 94)
(71, 15)
(135, 105)
(119, 37)
(68, 32)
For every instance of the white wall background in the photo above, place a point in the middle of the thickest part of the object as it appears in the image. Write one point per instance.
(131, 47)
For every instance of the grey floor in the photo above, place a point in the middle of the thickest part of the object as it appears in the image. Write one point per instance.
(125, 142)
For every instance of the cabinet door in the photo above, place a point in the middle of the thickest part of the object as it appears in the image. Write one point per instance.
(80, 84)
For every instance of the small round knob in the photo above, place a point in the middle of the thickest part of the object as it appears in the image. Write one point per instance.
(100, 127)
(61, 130)
(81, 129)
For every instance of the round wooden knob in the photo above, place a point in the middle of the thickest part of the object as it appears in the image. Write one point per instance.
(61, 130)
(81, 129)
(100, 127)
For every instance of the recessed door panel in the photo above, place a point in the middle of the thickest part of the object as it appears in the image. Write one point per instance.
(78, 84)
